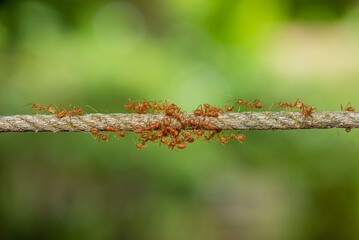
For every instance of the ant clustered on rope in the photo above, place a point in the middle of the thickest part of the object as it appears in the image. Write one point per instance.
(176, 129)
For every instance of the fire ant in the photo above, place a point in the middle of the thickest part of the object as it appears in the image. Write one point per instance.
(39, 107)
(348, 107)
(257, 103)
(297, 104)
(307, 111)
(117, 131)
(63, 112)
(99, 135)
(239, 137)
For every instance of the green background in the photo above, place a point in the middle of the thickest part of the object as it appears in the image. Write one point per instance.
(300, 184)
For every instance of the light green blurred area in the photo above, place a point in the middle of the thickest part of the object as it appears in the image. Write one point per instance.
(276, 185)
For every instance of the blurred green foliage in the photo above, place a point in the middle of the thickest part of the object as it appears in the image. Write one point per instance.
(277, 185)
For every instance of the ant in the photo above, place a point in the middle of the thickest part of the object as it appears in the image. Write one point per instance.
(290, 105)
(99, 135)
(117, 131)
(239, 137)
(307, 111)
(348, 107)
(39, 107)
(257, 103)
(63, 112)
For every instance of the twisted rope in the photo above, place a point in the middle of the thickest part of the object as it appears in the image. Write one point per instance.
(228, 121)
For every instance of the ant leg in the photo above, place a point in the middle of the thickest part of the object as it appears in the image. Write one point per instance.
(89, 107)
(26, 106)
(270, 107)
(62, 106)
(260, 100)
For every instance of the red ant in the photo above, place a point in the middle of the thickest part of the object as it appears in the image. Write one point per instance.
(117, 131)
(307, 111)
(257, 103)
(63, 112)
(297, 104)
(239, 137)
(39, 107)
(99, 135)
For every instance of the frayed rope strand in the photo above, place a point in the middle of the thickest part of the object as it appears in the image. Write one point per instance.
(228, 121)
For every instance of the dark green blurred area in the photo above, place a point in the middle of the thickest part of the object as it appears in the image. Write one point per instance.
(277, 185)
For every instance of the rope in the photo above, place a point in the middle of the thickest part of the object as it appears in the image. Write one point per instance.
(228, 121)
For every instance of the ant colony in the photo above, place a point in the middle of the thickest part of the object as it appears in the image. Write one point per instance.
(174, 129)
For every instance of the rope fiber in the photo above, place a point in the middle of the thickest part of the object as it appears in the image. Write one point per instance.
(228, 121)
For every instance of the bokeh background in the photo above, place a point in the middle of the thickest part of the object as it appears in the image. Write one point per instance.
(301, 184)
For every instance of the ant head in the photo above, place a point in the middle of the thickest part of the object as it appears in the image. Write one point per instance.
(241, 137)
